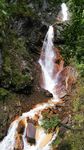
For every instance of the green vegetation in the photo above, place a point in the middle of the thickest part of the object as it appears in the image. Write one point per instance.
(49, 124)
(3, 93)
(74, 33)
(56, 142)
(16, 70)
(73, 140)
(17, 62)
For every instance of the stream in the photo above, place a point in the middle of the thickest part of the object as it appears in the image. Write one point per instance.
(49, 82)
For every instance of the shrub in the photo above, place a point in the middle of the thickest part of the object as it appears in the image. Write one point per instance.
(50, 123)
(3, 93)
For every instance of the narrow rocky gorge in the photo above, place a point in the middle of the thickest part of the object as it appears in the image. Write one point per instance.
(40, 85)
(29, 132)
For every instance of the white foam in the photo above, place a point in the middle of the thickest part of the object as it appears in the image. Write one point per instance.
(64, 12)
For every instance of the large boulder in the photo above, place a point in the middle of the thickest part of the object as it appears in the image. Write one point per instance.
(65, 79)
(30, 133)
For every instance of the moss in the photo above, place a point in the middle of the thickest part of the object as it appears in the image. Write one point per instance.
(3, 93)
(76, 104)
(79, 118)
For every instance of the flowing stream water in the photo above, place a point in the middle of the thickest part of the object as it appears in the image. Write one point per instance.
(45, 140)
(46, 61)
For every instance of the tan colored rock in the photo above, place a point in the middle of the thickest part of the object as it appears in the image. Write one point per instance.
(65, 78)
(36, 117)
(38, 130)
(47, 138)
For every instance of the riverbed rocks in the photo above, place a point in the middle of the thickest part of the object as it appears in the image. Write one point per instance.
(21, 127)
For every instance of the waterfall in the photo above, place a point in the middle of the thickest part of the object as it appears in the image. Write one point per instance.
(64, 12)
(47, 63)
(43, 139)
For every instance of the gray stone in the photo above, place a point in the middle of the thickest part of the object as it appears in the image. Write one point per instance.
(30, 133)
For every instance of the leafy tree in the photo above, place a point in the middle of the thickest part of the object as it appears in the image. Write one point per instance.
(74, 31)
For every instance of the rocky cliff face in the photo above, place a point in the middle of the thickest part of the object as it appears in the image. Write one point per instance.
(25, 32)
(20, 50)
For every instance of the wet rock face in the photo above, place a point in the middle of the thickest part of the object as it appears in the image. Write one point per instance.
(8, 110)
(26, 32)
(21, 51)
(3, 122)
(66, 78)
(46, 93)
(33, 30)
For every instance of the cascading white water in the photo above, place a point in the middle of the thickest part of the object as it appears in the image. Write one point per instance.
(64, 12)
(47, 66)
(47, 63)
(8, 142)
